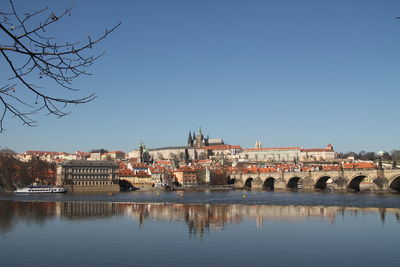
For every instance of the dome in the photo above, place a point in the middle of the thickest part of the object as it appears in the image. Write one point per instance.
(381, 153)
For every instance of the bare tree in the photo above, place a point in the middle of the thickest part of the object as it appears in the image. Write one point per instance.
(29, 53)
(395, 154)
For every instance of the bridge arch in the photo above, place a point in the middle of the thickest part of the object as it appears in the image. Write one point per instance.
(248, 182)
(269, 184)
(321, 183)
(395, 183)
(355, 181)
(294, 183)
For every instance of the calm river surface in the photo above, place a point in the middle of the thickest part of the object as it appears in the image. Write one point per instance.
(200, 229)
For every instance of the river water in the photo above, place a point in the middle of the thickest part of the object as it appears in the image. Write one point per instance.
(232, 228)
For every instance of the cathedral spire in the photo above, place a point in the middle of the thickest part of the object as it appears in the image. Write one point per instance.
(190, 140)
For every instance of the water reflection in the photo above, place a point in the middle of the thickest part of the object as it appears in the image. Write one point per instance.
(86, 210)
(198, 218)
(35, 212)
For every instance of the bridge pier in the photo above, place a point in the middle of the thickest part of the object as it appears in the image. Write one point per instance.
(257, 183)
(380, 184)
(307, 184)
(280, 184)
(339, 184)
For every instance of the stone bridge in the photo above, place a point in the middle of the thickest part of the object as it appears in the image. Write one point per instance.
(352, 180)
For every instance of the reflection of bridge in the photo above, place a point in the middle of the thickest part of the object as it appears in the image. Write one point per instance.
(355, 180)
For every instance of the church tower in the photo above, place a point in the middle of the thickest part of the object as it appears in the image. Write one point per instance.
(258, 144)
(199, 139)
(190, 140)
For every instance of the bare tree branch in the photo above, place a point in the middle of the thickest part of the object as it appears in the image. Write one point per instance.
(29, 54)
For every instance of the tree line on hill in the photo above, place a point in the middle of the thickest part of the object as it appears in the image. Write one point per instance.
(15, 173)
(394, 155)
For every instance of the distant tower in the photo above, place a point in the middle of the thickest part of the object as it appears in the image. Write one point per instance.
(258, 144)
(190, 140)
(206, 140)
(141, 152)
(186, 156)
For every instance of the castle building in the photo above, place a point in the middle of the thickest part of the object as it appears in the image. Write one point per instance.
(199, 141)
(196, 148)
(287, 154)
(326, 153)
(271, 154)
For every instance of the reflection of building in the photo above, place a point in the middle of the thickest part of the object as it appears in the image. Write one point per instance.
(198, 218)
(202, 217)
(93, 175)
(81, 210)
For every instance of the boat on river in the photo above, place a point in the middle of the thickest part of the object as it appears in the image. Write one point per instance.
(40, 189)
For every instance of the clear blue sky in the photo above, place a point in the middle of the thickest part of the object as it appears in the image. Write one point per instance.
(287, 73)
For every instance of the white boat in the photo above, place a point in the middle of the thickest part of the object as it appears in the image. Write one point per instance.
(40, 189)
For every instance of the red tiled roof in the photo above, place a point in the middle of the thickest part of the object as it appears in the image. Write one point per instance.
(330, 168)
(142, 173)
(157, 169)
(223, 147)
(138, 165)
(125, 172)
(316, 150)
(359, 165)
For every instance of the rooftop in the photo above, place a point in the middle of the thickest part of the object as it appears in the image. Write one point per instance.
(90, 163)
